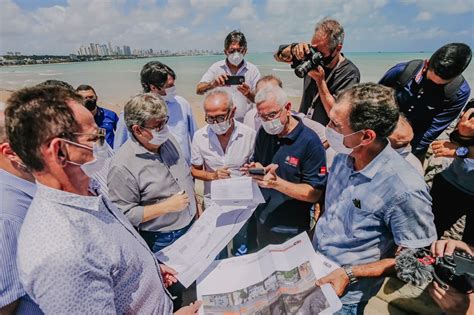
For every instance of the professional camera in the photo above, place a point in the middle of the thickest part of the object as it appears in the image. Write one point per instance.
(418, 267)
(310, 62)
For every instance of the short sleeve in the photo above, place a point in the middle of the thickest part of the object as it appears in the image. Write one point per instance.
(314, 165)
(209, 75)
(196, 156)
(411, 220)
(125, 193)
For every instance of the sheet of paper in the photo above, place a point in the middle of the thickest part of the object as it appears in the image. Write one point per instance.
(192, 253)
(279, 279)
(237, 191)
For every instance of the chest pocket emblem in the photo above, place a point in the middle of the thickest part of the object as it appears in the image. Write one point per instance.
(292, 160)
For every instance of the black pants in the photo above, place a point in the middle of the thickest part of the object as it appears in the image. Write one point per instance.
(449, 204)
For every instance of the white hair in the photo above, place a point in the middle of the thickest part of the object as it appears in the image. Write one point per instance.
(274, 93)
(221, 91)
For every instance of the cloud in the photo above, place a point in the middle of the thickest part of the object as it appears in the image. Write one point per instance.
(442, 6)
(423, 16)
(203, 24)
(243, 11)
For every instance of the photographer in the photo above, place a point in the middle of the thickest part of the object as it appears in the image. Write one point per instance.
(453, 189)
(451, 301)
(323, 82)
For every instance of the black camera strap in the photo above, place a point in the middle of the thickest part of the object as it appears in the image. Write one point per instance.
(310, 111)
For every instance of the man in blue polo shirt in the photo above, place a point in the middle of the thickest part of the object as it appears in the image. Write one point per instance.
(103, 117)
(431, 94)
(375, 201)
(295, 166)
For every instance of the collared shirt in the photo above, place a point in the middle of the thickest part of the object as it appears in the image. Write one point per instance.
(107, 119)
(251, 74)
(429, 114)
(138, 178)
(301, 159)
(181, 124)
(80, 255)
(460, 174)
(370, 212)
(207, 150)
(16, 195)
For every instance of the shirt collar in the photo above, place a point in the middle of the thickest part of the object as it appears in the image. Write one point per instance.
(68, 199)
(227, 69)
(138, 148)
(21, 184)
(294, 134)
(371, 169)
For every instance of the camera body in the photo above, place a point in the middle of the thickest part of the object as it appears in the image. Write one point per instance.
(310, 62)
(456, 271)
(418, 267)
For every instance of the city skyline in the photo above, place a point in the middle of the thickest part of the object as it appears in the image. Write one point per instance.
(60, 27)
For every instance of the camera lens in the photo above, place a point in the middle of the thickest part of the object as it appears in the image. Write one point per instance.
(303, 68)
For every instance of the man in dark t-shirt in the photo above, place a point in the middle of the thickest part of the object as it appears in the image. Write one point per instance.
(294, 161)
(323, 83)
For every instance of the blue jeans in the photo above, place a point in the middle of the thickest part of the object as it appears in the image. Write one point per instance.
(352, 309)
(159, 240)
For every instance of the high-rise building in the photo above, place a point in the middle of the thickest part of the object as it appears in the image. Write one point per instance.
(126, 50)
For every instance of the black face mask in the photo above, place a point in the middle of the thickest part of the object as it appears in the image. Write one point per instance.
(327, 60)
(91, 104)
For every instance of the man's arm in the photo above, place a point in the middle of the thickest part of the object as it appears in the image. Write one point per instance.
(198, 172)
(298, 191)
(340, 280)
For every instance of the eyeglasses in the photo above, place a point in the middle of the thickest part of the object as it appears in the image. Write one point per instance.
(217, 119)
(233, 50)
(270, 116)
(160, 125)
(98, 136)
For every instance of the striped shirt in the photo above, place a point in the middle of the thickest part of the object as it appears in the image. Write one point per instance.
(15, 195)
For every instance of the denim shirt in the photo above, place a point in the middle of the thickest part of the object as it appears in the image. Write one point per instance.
(80, 255)
(371, 212)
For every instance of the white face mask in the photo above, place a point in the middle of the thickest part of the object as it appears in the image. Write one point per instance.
(273, 127)
(159, 137)
(235, 58)
(170, 94)
(404, 151)
(100, 153)
(336, 141)
(220, 128)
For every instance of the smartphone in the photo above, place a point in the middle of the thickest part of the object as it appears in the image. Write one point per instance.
(234, 80)
(257, 171)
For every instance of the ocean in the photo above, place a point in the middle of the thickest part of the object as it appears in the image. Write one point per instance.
(115, 81)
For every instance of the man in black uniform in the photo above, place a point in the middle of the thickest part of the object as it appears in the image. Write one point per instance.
(324, 82)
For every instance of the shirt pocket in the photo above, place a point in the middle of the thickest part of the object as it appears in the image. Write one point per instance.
(359, 222)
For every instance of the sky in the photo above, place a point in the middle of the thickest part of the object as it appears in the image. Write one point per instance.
(62, 26)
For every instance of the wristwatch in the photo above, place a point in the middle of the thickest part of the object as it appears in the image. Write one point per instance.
(462, 152)
(350, 274)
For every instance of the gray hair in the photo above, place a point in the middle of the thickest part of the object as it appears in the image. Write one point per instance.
(333, 30)
(274, 93)
(143, 107)
(221, 91)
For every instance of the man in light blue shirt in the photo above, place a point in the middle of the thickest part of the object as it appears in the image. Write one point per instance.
(375, 201)
(88, 259)
(17, 188)
(159, 79)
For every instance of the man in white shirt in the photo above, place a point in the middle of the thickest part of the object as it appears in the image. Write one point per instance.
(221, 147)
(235, 48)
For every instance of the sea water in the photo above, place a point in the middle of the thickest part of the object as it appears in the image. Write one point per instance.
(115, 81)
